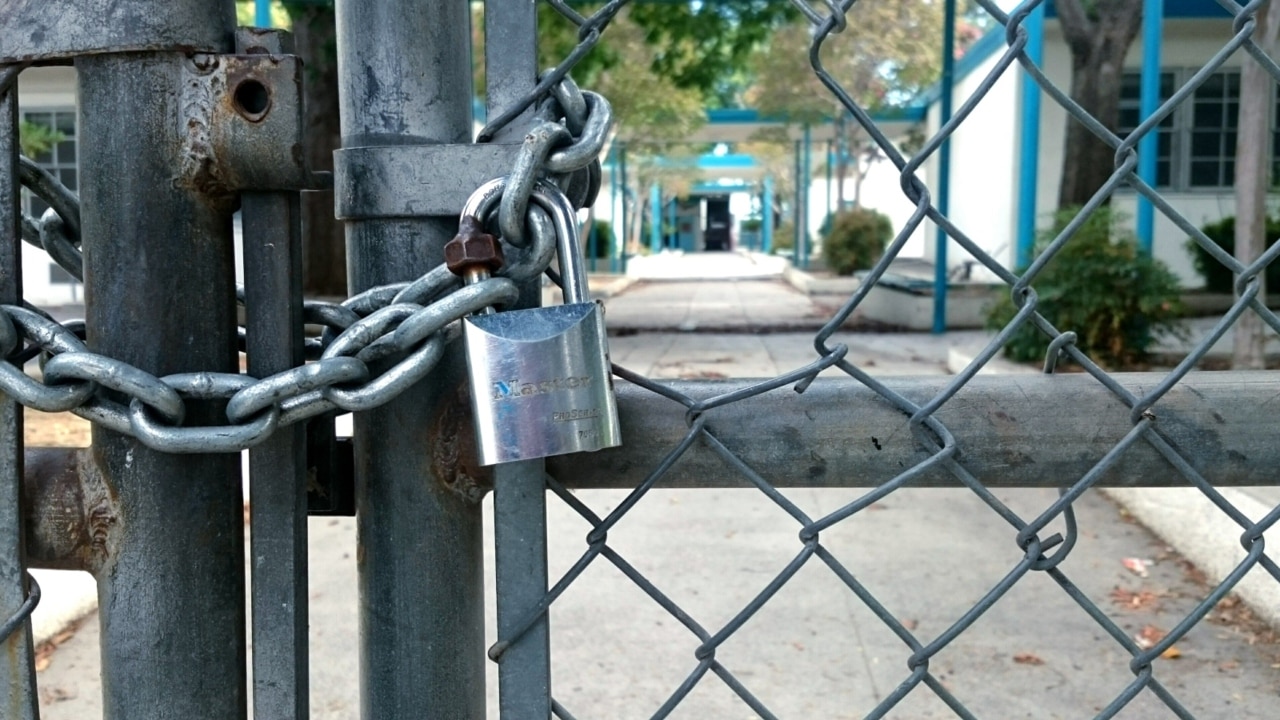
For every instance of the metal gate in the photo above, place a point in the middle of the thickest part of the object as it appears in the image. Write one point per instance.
(182, 119)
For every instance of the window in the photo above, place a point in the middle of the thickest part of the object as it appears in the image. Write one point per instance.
(60, 160)
(1196, 146)
(1130, 109)
(1215, 108)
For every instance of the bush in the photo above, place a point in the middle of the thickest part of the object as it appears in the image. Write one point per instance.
(856, 240)
(1218, 278)
(1116, 299)
(604, 240)
(784, 236)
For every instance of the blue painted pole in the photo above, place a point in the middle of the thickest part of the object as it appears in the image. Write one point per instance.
(944, 168)
(655, 219)
(806, 160)
(766, 224)
(1148, 147)
(626, 195)
(262, 13)
(1029, 152)
(797, 213)
(830, 189)
(593, 245)
(613, 215)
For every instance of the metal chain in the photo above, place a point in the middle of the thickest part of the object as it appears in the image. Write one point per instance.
(408, 323)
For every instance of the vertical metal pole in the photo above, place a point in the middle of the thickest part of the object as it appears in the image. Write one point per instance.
(1029, 150)
(519, 488)
(405, 77)
(17, 671)
(171, 591)
(806, 158)
(262, 13)
(277, 468)
(798, 214)
(831, 156)
(1148, 146)
(626, 216)
(944, 168)
(655, 218)
(615, 247)
(766, 227)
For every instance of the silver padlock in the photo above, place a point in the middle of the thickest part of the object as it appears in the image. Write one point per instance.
(540, 378)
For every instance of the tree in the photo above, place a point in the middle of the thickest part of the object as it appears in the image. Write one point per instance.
(1098, 34)
(1253, 171)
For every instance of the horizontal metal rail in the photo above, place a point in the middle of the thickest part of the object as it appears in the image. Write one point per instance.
(839, 433)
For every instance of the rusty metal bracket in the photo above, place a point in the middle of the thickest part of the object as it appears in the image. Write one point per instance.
(58, 30)
(242, 121)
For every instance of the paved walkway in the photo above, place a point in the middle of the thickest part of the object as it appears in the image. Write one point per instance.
(814, 651)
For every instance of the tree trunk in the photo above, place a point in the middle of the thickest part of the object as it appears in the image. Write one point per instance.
(324, 264)
(1253, 169)
(1095, 85)
(1098, 33)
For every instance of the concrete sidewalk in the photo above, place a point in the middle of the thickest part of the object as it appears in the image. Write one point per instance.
(815, 650)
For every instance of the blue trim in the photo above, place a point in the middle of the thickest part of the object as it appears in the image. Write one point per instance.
(1029, 150)
(1183, 9)
(655, 218)
(1152, 35)
(914, 112)
(721, 188)
(766, 224)
(986, 46)
(944, 169)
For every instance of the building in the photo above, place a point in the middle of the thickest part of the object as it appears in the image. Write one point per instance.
(995, 163)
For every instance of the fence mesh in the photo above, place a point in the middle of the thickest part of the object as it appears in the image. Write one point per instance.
(1041, 553)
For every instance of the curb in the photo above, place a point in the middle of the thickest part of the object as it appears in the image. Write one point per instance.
(66, 596)
(1183, 518)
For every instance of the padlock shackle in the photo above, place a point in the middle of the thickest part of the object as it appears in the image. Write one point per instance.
(573, 276)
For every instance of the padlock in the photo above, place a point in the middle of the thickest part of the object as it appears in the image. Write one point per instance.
(540, 378)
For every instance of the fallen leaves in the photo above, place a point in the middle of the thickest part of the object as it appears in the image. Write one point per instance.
(1150, 636)
(1135, 599)
(44, 653)
(1026, 658)
(1137, 566)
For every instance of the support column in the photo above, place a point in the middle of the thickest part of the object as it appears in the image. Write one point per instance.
(17, 671)
(171, 591)
(405, 78)
(766, 223)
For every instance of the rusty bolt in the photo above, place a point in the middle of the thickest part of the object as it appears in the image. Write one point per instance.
(472, 248)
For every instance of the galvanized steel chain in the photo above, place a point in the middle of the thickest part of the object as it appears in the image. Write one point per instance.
(405, 324)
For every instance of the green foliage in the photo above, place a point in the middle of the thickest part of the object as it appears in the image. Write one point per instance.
(35, 139)
(1116, 299)
(604, 240)
(706, 46)
(854, 239)
(1218, 278)
(784, 236)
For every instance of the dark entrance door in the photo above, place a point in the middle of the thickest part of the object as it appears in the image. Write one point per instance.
(718, 223)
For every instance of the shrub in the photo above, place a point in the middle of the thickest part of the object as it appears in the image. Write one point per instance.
(1115, 298)
(604, 240)
(784, 236)
(856, 240)
(1218, 278)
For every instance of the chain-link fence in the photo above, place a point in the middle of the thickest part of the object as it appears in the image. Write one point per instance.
(153, 508)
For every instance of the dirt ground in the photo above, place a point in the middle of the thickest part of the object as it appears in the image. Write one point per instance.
(42, 429)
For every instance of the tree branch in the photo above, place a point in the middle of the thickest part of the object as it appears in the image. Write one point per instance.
(1077, 28)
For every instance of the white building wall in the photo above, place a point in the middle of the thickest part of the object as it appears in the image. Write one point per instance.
(46, 88)
(984, 177)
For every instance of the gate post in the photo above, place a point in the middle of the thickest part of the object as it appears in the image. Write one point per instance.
(160, 295)
(405, 78)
